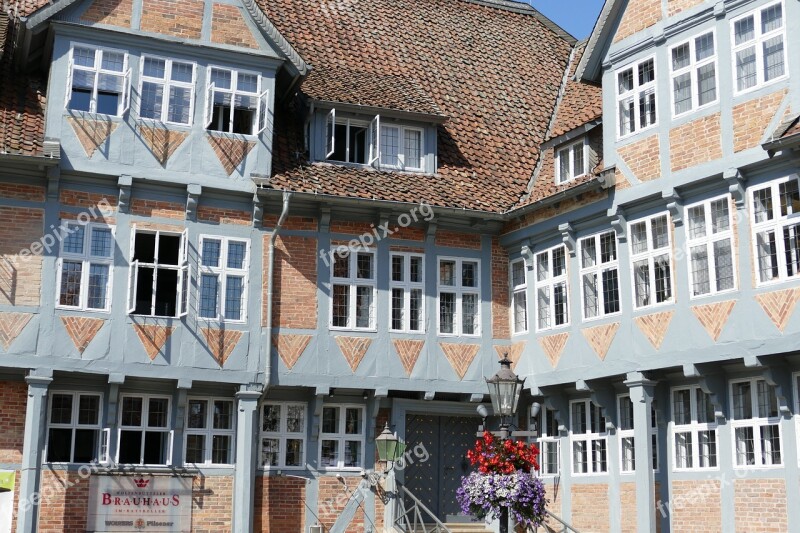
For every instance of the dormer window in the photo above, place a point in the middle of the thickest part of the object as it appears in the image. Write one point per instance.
(235, 102)
(167, 90)
(401, 147)
(350, 142)
(571, 161)
(99, 81)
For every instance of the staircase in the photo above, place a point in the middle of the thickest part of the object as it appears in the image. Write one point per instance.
(474, 527)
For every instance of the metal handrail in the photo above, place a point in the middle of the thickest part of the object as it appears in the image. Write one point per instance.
(566, 529)
(410, 520)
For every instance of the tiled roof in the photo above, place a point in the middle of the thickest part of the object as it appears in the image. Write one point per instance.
(23, 8)
(793, 129)
(581, 102)
(493, 71)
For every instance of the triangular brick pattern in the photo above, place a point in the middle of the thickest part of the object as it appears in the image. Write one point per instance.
(353, 349)
(514, 352)
(460, 356)
(779, 305)
(408, 350)
(290, 347)
(230, 152)
(553, 346)
(92, 133)
(161, 142)
(714, 316)
(11, 325)
(153, 337)
(600, 338)
(82, 330)
(655, 326)
(221, 342)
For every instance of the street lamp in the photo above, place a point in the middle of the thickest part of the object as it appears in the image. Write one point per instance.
(388, 445)
(505, 388)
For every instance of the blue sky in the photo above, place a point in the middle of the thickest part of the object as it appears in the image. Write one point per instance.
(575, 16)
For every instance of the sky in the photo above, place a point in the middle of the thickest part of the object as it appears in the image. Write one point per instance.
(575, 16)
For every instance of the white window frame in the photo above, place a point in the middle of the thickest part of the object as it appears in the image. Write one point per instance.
(181, 295)
(589, 439)
(341, 437)
(74, 425)
(331, 123)
(167, 83)
(694, 429)
(636, 93)
(708, 241)
(550, 282)
(758, 42)
(777, 224)
(545, 441)
(144, 427)
(627, 462)
(401, 148)
(650, 255)
(573, 173)
(521, 290)
(598, 269)
(353, 282)
(261, 95)
(222, 272)
(87, 260)
(125, 95)
(692, 69)
(459, 290)
(209, 432)
(756, 423)
(407, 286)
(282, 435)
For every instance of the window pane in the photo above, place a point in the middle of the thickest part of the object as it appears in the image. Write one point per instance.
(697, 222)
(132, 411)
(195, 448)
(271, 419)
(270, 452)
(542, 266)
(237, 250)
(518, 273)
(59, 444)
(330, 420)
(723, 259)
(70, 290)
(209, 295)
(364, 268)
(639, 237)
(223, 414)
(681, 406)
(364, 299)
(61, 409)
(559, 262)
(182, 72)
(773, 58)
(412, 147)
(447, 273)
(588, 253)
(641, 276)
(625, 413)
(73, 242)
(83, 56)
(155, 447)
(682, 93)
(113, 61)
(705, 409)
(680, 56)
(591, 304)
(415, 312)
(234, 297)
(660, 232)
(469, 322)
(469, 274)
(341, 265)
(744, 30)
(89, 410)
(683, 450)
(197, 414)
(353, 422)
(563, 165)
(398, 302)
(700, 280)
(791, 246)
(742, 404)
(294, 452)
(179, 105)
(352, 454)
(520, 302)
(447, 308)
(706, 84)
(221, 449)
(707, 448)
(704, 46)
(772, 18)
(416, 269)
(790, 197)
(398, 271)
(767, 400)
(211, 252)
(663, 278)
(295, 419)
(745, 446)
(86, 445)
(157, 413)
(341, 305)
(98, 284)
(247, 82)
(330, 453)
(746, 68)
(611, 291)
(390, 141)
(543, 307)
(767, 255)
(560, 304)
(770, 445)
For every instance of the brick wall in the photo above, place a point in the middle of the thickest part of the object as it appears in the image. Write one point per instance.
(760, 505)
(639, 15)
(157, 208)
(12, 428)
(751, 118)
(65, 500)
(408, 233)
(501, 327)
(228, 27)
(455, 239)
(112, 12)
(351, 227)
(291, 223)
(295, 282)
(627, 504)
(20, 277)
(695, 506)
(643, 157)
(86, 200)
(180, 18)
(279, 505)
(333, 498)
(212, 503)
(31, 193)
(553, 504)
(590, 507)
(218, 215)
(695, 142)
(676, 6)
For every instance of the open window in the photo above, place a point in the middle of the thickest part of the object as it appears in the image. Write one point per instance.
(330, 133)
(347, 140)
(159, 274)
(375, 139)
(99, 81)
(234, 102)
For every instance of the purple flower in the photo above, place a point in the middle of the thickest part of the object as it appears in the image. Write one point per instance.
(521, 492)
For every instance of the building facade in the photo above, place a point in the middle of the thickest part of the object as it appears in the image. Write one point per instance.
(245, 235)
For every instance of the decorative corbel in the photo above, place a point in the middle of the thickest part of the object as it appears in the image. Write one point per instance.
(124, 183)
(660, 37)
(258, 212)
(316, 420)
(736, 181)
(780, 378)
(527, 254)
(719, 10)
(193, 192)
(674, 205)
(430, 232)
(568, 237)
(619, 223)
(325, 220)
(711, 385)
(53, 178)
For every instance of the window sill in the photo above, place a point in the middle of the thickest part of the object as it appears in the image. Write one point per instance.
(630, 136)
(746, 92)
(354, 330)
(553, 329)
(236, 136)
(456, 335)
(649, 307)
(381, 168)
(154, 123)
(688, 116)
(83, 310)
(598, 318)
(93, 116)
(712, 294)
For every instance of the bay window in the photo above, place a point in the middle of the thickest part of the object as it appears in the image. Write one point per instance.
(776, 228)
(85, 266)
(283, 435)
(407, 289)
(167, 90)
(710, 238)
(552, 307)
(74, 428)
(588, 437)
(145, 430)
(519, 296)
(636, 97)
(342, 437)
(651, 259)
(694, 429)
(756, 423)
(224, 264)
(235, 102)
(459, 297)
(599, 275)
(353, 289)
(758, 47)
(159, 274)
(98, 81)
(209, 431)
(694, 73)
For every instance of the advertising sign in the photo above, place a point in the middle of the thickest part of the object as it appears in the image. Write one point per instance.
(6, 499)
(137, 503)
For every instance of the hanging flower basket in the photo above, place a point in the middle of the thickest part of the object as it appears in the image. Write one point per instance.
(505, 479)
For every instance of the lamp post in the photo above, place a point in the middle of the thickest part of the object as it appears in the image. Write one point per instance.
(505, 388)
(388, 446)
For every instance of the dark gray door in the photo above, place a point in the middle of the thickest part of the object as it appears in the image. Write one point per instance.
(447, 439)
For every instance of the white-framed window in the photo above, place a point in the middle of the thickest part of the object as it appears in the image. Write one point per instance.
(235, 101)
(758, 39)
(222, 283)
(709, 234)
(548, 442)
(401, 147)
(283, 435)
(694, 429)
(459, 296)
(74, 428)
(98, 80)
(519, 296)
(408, 292)
(209, 431)
(85, 266)
(588, 438)
(599, 275)
(572, 160)
(342, 435)
(755, 423)
(552, 292)
(348, 140)
(158, 283)
(353, 289)
(651, 260)
(627, 438)
(145, 430)
(776, 229)
(693, 64)
(167, 90)
(636, 97)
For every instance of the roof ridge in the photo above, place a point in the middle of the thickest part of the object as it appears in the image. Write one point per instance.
(524, 8)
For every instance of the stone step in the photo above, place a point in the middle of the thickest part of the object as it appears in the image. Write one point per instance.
(475, 527)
